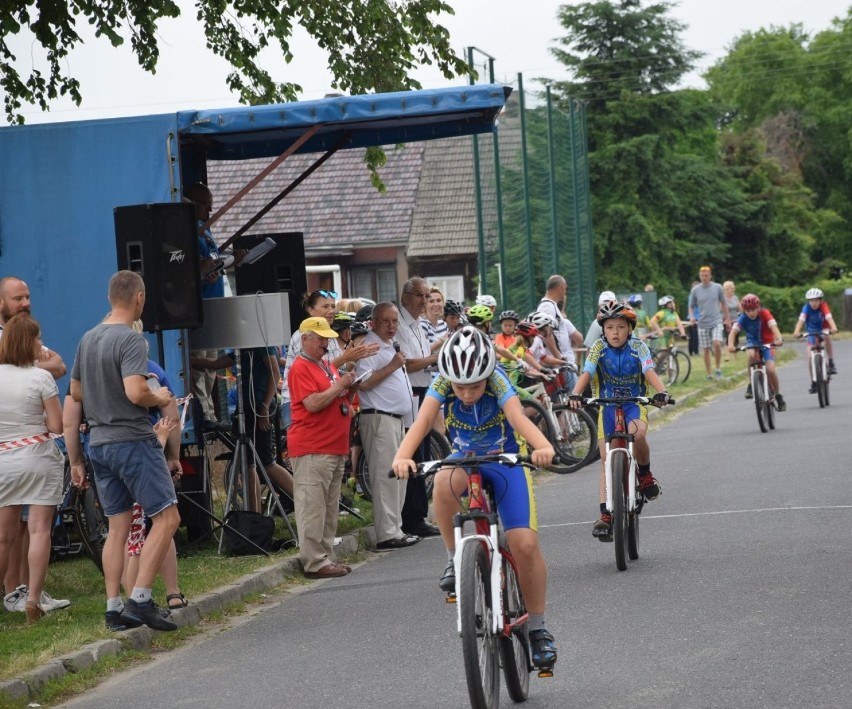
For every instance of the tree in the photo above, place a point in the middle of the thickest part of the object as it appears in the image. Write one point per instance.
(373, 45)
(662, 204)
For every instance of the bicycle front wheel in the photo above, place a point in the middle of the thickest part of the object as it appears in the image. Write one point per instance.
(542, 420)
(820, 380)
(514, 647)
(92, 524)
(633, 526)
(575, 438)
(619, 509)
(759, 398)
(479, 643)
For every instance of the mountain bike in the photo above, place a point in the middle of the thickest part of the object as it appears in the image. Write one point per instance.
(623, 497)
(492, 614)
(818, 366)
(673, 365)
(764, 397)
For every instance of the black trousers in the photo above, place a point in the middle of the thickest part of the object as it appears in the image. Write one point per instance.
(416, 505)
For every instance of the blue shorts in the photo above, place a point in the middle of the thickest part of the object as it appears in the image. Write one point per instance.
(132, 471)
(766, 351)
(606, 417)
(513, 494)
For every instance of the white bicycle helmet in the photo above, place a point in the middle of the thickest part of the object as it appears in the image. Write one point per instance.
(606, 296)
(665, 300)
(540, 319)
(488, 300)
(467, 357)
(813, 293)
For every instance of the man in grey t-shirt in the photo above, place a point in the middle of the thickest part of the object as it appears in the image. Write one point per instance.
(709, 298)
(109, 378)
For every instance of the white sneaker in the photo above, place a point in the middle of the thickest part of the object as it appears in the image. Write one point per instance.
(16, 600)
(48, 603)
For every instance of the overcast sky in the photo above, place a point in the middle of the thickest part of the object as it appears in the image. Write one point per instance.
(517, 33)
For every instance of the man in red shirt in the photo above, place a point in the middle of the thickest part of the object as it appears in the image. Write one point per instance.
(318, 443)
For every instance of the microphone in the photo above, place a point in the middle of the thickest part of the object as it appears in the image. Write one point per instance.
(396, 346)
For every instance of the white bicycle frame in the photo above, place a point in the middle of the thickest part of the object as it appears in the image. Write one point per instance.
(631, 475)
(812, 359)
(760, 370)
(492, 543)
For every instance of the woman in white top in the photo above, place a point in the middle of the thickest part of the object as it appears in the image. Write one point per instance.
(433, 322)
(30, 464)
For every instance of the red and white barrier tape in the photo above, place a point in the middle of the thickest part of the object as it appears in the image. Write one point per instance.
(27, 441)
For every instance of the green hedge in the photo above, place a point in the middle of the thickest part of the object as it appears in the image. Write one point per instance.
(786, 303)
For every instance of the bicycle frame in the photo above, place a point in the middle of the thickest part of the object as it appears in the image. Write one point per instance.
(620, 443)
(816, 345)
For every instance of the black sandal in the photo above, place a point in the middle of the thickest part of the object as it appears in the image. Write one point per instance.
(183, 603)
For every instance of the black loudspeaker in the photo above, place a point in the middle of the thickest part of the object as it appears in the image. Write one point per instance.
(160, 243)
(282, 270)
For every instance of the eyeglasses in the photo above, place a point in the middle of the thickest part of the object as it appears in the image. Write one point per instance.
(388, 322)
(418, 295)
(326, 293)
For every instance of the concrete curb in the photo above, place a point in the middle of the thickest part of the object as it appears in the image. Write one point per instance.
(30, 685)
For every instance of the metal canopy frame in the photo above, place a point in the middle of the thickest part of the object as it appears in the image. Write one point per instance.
(335, 123)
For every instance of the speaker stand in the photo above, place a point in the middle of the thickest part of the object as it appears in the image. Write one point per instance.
(244, 452)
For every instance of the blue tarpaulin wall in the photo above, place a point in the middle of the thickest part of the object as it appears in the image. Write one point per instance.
(60, 182)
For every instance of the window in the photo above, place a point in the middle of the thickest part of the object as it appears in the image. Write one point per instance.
(451, 286)
(377, 283)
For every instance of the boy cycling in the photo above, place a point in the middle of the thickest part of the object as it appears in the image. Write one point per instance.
(760, 329)
(816, 318)
(483, 415)
(618, 365)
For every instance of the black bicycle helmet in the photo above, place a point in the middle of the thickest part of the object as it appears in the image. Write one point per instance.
(359, 328)
(364, 314)
(608, 311)
(452, 307)
(342, 321)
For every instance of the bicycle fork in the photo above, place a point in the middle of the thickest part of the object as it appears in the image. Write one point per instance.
(492, 548)
(630, 462)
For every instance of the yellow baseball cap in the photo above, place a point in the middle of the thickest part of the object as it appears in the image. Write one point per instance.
(318, 326)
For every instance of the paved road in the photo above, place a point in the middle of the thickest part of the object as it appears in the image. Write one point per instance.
(741, 596)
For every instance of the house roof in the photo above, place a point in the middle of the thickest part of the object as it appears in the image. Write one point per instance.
(337, 207)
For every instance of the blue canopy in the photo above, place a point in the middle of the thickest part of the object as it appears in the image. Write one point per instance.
(344, 121)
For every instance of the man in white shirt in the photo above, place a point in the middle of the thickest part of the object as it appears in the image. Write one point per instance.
(419, 363)
(386, 408)
(553, 304)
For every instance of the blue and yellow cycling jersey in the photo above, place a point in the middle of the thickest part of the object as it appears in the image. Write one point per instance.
(481, 427)
(618, 372)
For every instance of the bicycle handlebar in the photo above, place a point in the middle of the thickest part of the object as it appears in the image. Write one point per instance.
(743, 348)
(430, 467)
(614, 400)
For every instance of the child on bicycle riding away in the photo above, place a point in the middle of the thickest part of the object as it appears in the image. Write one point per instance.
(760, 329)
(620, 365)
(483, 415)
(816, 318)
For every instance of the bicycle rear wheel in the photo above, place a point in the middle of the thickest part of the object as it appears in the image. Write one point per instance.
(633, 526)
(820, 381)
(759, 397)
(575, 439)
(540, 417)
(684, 363)
(479, 644)
(514, 648)
(666, 365)
(92, 524)
(619, 509)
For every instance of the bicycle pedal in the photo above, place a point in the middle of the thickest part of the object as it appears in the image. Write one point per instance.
(451, 597)
(545, 672)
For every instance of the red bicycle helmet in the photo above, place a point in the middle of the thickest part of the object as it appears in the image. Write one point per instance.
(750, 302)
(527, 329)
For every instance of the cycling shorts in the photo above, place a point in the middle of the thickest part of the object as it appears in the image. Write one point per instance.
(513, 494)
(606, 417)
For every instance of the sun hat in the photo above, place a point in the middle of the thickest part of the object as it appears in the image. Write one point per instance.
(318, 326)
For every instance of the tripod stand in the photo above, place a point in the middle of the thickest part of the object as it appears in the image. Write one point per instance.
(244, 454)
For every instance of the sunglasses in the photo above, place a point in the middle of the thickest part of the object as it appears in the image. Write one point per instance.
(326, 293)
